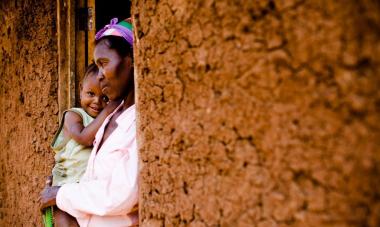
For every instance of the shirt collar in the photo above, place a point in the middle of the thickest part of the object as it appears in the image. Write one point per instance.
(126, 118)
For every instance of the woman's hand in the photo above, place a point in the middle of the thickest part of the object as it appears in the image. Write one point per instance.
(47, 196)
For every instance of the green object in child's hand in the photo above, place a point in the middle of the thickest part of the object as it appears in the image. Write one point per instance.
(48, 217)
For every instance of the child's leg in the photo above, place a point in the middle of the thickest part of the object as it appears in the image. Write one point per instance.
(63, 219)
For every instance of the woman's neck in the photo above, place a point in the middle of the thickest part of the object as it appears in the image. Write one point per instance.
(129, 100)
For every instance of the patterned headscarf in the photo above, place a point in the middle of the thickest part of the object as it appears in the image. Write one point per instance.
(122, 29)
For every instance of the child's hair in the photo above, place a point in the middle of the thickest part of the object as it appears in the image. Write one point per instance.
(91, 70)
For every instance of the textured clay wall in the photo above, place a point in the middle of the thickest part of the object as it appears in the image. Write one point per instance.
(28, 106)
(259, 113)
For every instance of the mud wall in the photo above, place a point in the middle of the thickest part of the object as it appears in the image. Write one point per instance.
(258, 113)
(28, 106)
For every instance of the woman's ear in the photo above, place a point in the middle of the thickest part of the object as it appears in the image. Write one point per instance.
(128, 61)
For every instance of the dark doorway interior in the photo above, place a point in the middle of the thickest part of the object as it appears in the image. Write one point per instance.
(105, 10)
(108, 9)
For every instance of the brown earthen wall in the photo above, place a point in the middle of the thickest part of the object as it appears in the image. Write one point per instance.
(258, 113)
(28, 106)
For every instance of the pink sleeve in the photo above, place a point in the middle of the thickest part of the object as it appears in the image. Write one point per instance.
(115, 196)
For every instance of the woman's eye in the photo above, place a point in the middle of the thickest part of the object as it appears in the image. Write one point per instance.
(90, 93)
(102, 64)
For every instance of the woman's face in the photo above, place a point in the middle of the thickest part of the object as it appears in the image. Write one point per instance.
(115, 72)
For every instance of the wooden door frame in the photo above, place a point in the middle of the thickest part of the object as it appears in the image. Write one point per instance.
(73, 44)
(66, 54)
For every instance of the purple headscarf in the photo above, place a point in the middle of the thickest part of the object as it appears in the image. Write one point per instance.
(122, 29)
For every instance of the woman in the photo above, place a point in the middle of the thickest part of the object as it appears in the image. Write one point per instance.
(107, 195)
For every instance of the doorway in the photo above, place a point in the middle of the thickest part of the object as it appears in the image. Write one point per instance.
(108, 9)
(98, 13)
(77, 23)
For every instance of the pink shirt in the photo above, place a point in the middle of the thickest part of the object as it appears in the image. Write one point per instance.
(107, 194)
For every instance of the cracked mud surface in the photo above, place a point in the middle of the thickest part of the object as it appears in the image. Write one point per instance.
(262, 113)
(258, 113)
(28, 106)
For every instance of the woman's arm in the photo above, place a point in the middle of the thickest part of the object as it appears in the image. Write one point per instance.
(116, 195)
(74, 128)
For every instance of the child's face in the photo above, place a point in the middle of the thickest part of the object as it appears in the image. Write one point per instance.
(92, 100)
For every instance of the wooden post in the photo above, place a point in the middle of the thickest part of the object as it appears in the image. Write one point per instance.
(66, 54)
(80, 44)
(91, 29)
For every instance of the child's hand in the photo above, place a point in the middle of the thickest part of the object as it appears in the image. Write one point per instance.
(111, 106)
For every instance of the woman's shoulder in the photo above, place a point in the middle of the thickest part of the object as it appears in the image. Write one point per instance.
(127, 118)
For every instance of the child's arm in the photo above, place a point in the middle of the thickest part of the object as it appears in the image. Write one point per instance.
(74, 128)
